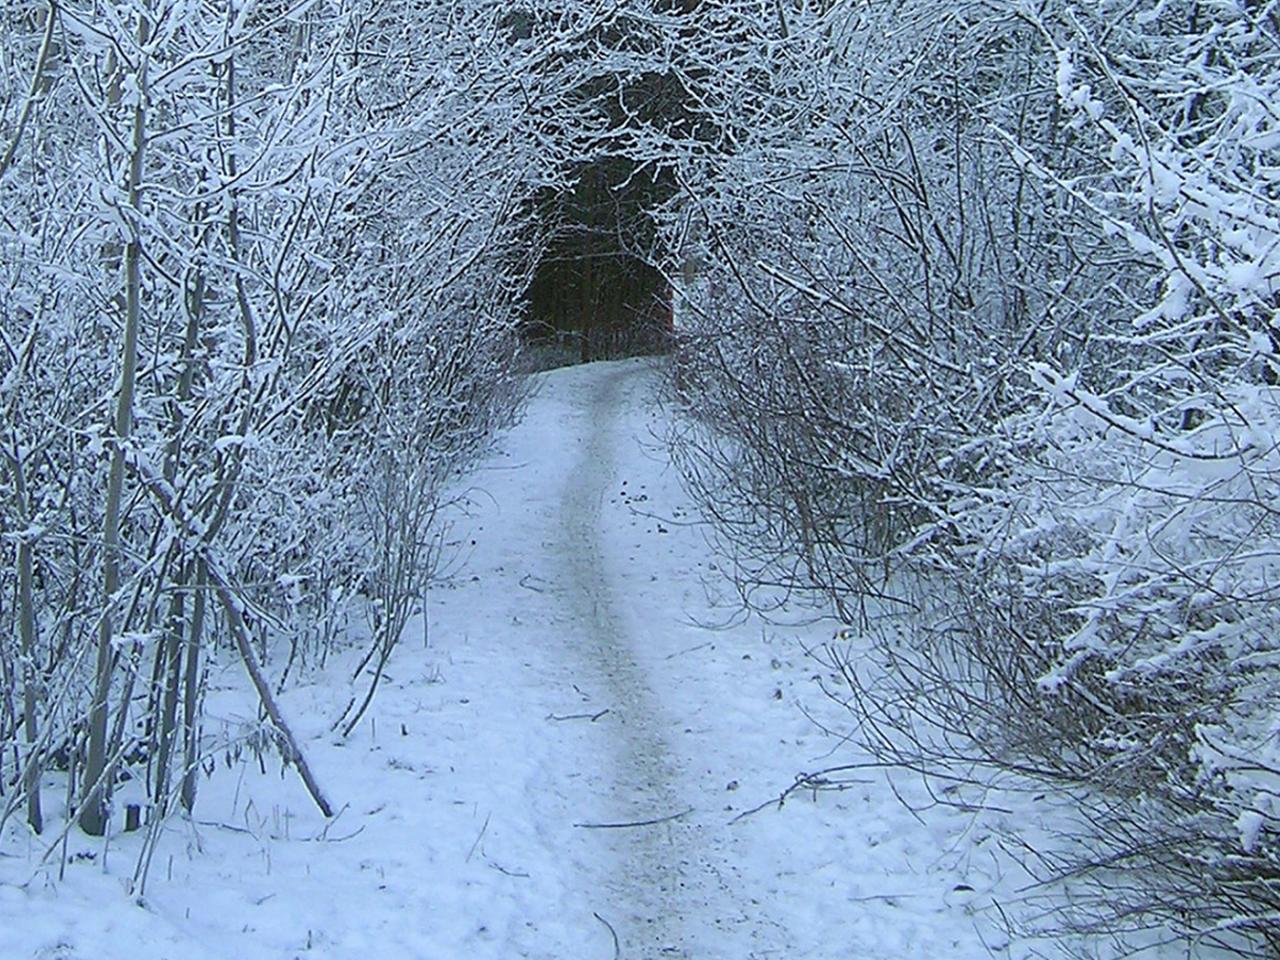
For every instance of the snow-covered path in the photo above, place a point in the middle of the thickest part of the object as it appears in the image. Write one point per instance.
(645, 873)
(563, 684)
(608, 584)
(622, 756)
(664, 879)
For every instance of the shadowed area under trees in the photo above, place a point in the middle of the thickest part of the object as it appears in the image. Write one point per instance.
(597, 290)
(591, 292)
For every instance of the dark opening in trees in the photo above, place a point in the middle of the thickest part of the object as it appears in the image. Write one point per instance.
(595, 290)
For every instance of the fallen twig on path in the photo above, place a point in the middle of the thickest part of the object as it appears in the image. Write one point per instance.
(479, 837)
(809, 781)
(634, 823)
(593, 717)
(680, 653)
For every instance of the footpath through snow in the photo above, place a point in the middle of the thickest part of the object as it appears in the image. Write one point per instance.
(552, 768)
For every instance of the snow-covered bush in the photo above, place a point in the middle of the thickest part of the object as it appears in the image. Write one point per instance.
(1139, 506)
(262, 264)
(871, 270)
(983, 325)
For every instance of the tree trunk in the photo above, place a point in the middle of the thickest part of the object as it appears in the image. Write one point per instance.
(26, 632)
(191, 692)
(93, 803)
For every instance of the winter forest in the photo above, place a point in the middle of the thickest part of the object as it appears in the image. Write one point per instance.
(954, 388)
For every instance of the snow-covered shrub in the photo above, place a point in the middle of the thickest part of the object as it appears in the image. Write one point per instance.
(872, 270)
(985, 327)
(1139, 504)
(261, 264)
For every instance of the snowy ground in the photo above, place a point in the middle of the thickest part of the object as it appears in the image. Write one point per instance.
(568, 684)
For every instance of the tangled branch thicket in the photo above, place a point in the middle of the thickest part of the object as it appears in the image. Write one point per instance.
(980, 339)
(262, 267)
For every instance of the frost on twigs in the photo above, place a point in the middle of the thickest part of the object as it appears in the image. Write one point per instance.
(263, 270)
(983, 345)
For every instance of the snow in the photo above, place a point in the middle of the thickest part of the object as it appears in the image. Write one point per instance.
(583, 667)
(1250, 823)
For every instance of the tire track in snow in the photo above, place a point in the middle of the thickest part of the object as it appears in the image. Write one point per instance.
(646, 891)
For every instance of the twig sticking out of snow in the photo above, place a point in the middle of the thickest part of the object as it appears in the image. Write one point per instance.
(617, 946)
